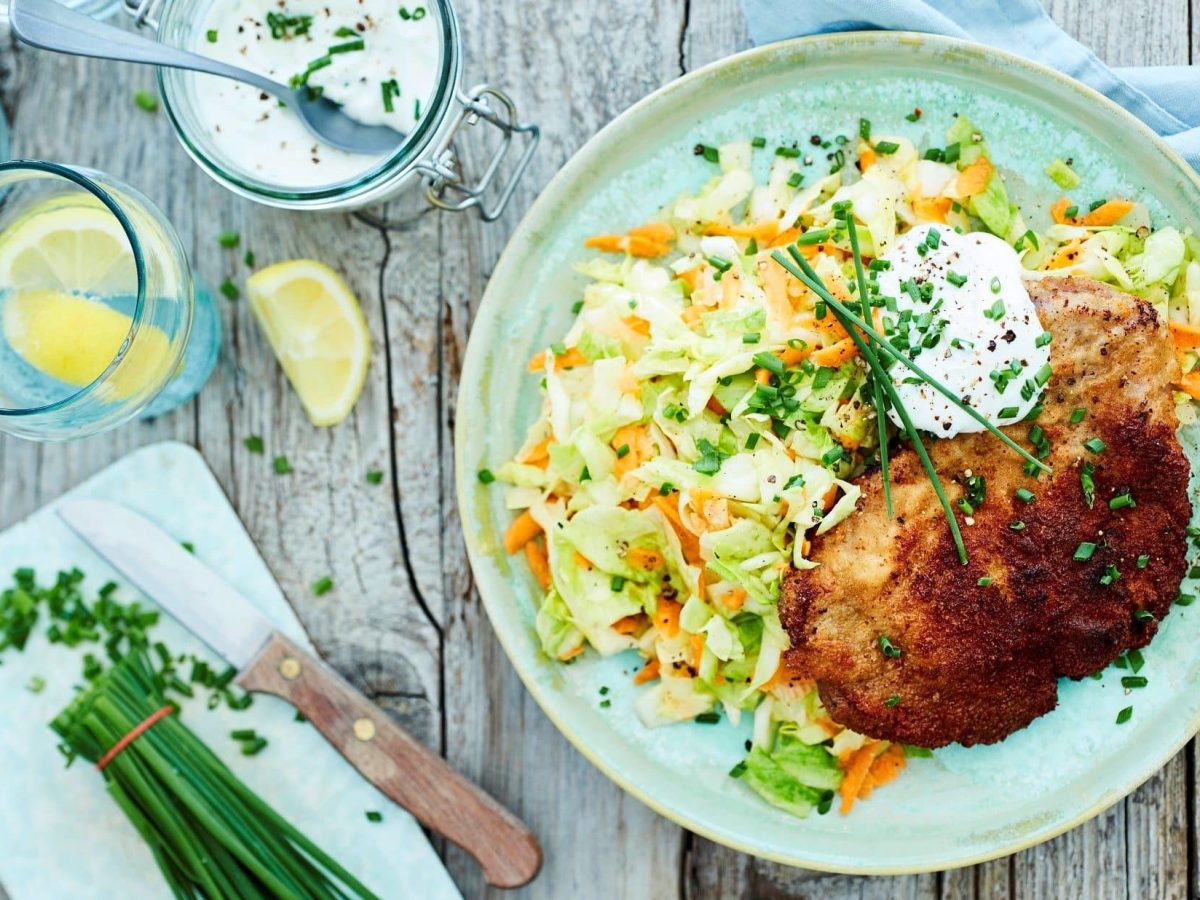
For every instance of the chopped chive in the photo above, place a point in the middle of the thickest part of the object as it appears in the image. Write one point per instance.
(1111, 575)
(617, 584)
(1122, 501)
(348, 47)
(253, 443)
(1077, 415)
(622, 451)
(1009, 412)
(230, 290)
(1084, 551)
(958, 280)
(243, 734)
(228, 238)
(1134, 681)
(1095, 445)
(890, 650)
(892, 701)
(886, 148)
(345, 31)
(373, 816)
(254, 747)
(752, 440)
(211, 35)
(1042, 375)
(322, 586)
(708, 718)
(994, 284)
(1125, 715)
(1185, 599)
(720, 263)
(282, 466)
(1136, 660)
(864, 129)
(751, 337)
(787, 152)
(951, 153)
(914, 115)
(248, 259)
(995, 311)
(146, 101)
(815, 236)
(1144, 615)
(1143, 561)
(390, 89)
(984, 581)
(1043, 339)
(1024, 495)
(795, 179)
(485, 476)
(1070, 212)
(770, 362)
(1018, 525)
(758, 142)
(188, 546)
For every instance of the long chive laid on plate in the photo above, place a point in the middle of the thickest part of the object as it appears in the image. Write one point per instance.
(813, 281)
(210, 834)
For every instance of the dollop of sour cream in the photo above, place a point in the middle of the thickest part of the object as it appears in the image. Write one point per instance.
(961, 300)
(377, 58)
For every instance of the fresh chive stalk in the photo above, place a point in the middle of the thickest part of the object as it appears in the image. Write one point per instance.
(210, 834)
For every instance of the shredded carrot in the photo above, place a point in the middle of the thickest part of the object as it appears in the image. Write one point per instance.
(687, 541)
(644, 240)
(538, 564)
(762, 376)
(715, 406)
(932, 209)
(648, 560)
(735, 599)
(573, 357)
(638, 324)
(775, 680)
(524, 528)
(1107, 213)
(1058, 212)
(1187, 337)
(974, 178)
(697, 643)
(835, 354)
(571, 654)
(1190, 385)
(660, 232)
(1065, 257)
(856, 773)
(829, 498)
(583, 562)
(628, 624)
(538, 452)
(866, 157)
(759, 231)
(784, 238)
(666, 617)
(648, 672)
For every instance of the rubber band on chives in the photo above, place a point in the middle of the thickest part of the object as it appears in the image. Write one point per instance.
(149, 722)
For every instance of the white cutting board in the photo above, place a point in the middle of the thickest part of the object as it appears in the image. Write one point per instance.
(61, 836)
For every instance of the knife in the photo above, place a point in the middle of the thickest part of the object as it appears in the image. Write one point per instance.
(267, 662)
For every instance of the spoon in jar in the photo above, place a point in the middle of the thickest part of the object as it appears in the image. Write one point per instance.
(51, 26)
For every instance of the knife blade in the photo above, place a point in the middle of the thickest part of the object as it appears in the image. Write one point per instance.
(172, 577)
(382, 752)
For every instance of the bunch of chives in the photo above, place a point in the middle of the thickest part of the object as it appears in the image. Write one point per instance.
(211, 836)
(870, 344)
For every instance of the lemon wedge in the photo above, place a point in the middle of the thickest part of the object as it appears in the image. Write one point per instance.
(317, 330)
(76, 246)
(73, 339)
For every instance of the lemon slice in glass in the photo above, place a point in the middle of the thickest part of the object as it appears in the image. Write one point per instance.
(317, 330)
(73, 339)
(68, 245)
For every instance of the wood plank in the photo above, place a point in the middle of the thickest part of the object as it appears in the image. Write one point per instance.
(571, 74)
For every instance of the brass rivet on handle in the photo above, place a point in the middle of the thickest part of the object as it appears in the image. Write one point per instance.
(289, 668)
(364, 729)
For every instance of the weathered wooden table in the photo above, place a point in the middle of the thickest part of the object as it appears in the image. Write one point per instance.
(404, 622)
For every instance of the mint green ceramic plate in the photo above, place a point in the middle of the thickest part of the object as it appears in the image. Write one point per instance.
(962, 806)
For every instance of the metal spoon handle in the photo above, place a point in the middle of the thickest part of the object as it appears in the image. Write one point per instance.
(51, 26)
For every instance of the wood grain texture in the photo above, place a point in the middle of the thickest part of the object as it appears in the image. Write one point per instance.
(403, 623)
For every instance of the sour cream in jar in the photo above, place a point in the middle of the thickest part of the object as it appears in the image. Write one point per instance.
(377, 58)
(959, 302)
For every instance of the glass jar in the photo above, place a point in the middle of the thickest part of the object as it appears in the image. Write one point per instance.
(426, 158)
(99, 318)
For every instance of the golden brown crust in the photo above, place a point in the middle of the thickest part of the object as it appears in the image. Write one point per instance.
(978, 662)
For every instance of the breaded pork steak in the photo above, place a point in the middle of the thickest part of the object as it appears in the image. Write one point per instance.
(978, 659)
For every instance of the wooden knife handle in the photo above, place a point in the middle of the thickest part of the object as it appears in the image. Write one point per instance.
(403, 768)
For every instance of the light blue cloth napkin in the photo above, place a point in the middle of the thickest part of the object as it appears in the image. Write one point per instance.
(1167, 98)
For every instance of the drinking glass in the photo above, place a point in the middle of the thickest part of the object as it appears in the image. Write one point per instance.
(99, 319)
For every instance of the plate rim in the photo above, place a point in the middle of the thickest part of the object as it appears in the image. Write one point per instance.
(473, 363)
